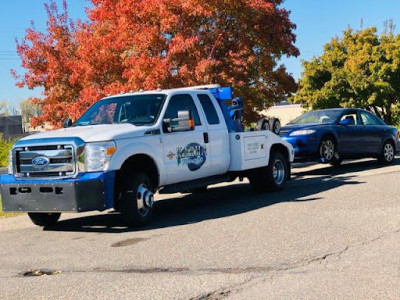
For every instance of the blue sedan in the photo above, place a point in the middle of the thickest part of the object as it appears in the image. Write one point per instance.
(335, 134)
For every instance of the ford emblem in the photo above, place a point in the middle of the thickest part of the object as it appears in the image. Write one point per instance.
(40, 161)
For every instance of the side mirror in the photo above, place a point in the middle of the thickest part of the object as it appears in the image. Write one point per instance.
(345, 122)
(184, 122)
(67, 123)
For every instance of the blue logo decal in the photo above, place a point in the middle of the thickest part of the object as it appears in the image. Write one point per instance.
(193, 155)
(40, 161)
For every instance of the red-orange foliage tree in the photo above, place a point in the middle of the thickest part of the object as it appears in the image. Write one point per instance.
(146, 44)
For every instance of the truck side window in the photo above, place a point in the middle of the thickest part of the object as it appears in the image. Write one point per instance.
(182, 102)
(209, 109)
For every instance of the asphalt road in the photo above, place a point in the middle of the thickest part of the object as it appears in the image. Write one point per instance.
(331, 234)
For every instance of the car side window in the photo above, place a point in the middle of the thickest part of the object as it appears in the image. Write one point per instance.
(182, 102)
(352, 117)
(369, 119)
(209, 109)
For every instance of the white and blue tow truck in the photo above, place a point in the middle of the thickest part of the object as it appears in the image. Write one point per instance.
(127, 147)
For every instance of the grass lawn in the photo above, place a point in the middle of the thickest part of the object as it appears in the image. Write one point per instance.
(1, 209)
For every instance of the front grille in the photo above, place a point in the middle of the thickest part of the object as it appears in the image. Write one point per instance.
(45, 161)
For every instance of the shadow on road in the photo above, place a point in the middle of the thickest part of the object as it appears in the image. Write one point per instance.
(346, 167)
(220, 202)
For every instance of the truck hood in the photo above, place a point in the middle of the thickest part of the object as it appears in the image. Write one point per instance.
(94, 133)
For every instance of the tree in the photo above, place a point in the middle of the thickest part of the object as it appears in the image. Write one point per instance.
(30, 108)
(7, 110)
(360, 69)
(136, 44)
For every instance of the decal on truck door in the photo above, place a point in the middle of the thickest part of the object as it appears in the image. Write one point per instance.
(193, 155)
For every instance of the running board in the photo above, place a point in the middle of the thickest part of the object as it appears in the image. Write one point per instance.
(193, 184)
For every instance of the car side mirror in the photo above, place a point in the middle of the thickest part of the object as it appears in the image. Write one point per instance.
(345, 122)
(67, 123)
(184, 122)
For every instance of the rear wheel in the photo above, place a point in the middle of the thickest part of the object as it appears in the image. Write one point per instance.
(387, 153)
(137, 200)
(328, 152)
(44, 219)
(272, 177)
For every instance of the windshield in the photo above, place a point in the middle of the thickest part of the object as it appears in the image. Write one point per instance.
(137, 110)
(317, 117)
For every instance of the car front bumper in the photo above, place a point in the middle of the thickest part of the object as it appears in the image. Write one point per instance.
(87, 192)
(303, 145)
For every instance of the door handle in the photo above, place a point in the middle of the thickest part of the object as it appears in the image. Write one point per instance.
(205, 135)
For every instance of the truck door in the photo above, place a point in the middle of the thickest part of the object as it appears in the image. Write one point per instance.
(217, 135)
(186, 153)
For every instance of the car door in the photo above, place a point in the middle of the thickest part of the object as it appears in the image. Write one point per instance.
(351, 136)
(186, 153)
(217, 135)
(374, 131)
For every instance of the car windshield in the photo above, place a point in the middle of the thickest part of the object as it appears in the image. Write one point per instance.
(136, 109)
(317, 117)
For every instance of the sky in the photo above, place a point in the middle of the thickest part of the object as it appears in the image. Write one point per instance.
(317, 22)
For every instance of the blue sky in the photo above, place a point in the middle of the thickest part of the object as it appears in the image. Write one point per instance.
(317, 22)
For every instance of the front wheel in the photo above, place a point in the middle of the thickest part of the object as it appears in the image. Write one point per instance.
(328, 152)
(137, 200)
(44, 219)
(387, 153)
(272, 177)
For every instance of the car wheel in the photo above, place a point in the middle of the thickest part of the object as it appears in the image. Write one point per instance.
(328, 152)
(272, 177)
(387, 154)
(44, 219)
(137, 200)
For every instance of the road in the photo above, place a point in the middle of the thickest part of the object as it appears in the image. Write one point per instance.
(331, 234)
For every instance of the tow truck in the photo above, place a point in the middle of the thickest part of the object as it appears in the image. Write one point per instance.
(129, 146)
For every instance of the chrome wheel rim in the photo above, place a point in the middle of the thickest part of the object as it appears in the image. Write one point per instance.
(145, 199)
(388, 152)
(278, 171)
(277, 127)
(327, 150)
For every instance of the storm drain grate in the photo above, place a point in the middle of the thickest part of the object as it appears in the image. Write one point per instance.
(31, 273)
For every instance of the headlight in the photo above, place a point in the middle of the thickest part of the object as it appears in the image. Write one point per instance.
(98, 155)
(10, 162)
(302, 132)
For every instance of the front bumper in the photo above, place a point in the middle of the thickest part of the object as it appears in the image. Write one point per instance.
(87, 192)
(303, 145)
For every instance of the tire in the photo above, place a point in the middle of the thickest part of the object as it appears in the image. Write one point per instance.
(137, 200)
(387, 153)
(263, 124)
(328, 152)
(272, 177)
(44, 219)
(199, 190)
(275, 125)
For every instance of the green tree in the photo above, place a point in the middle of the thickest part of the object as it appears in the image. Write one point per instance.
(360, 69)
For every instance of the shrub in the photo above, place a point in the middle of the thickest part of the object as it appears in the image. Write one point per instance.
(5, 146)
